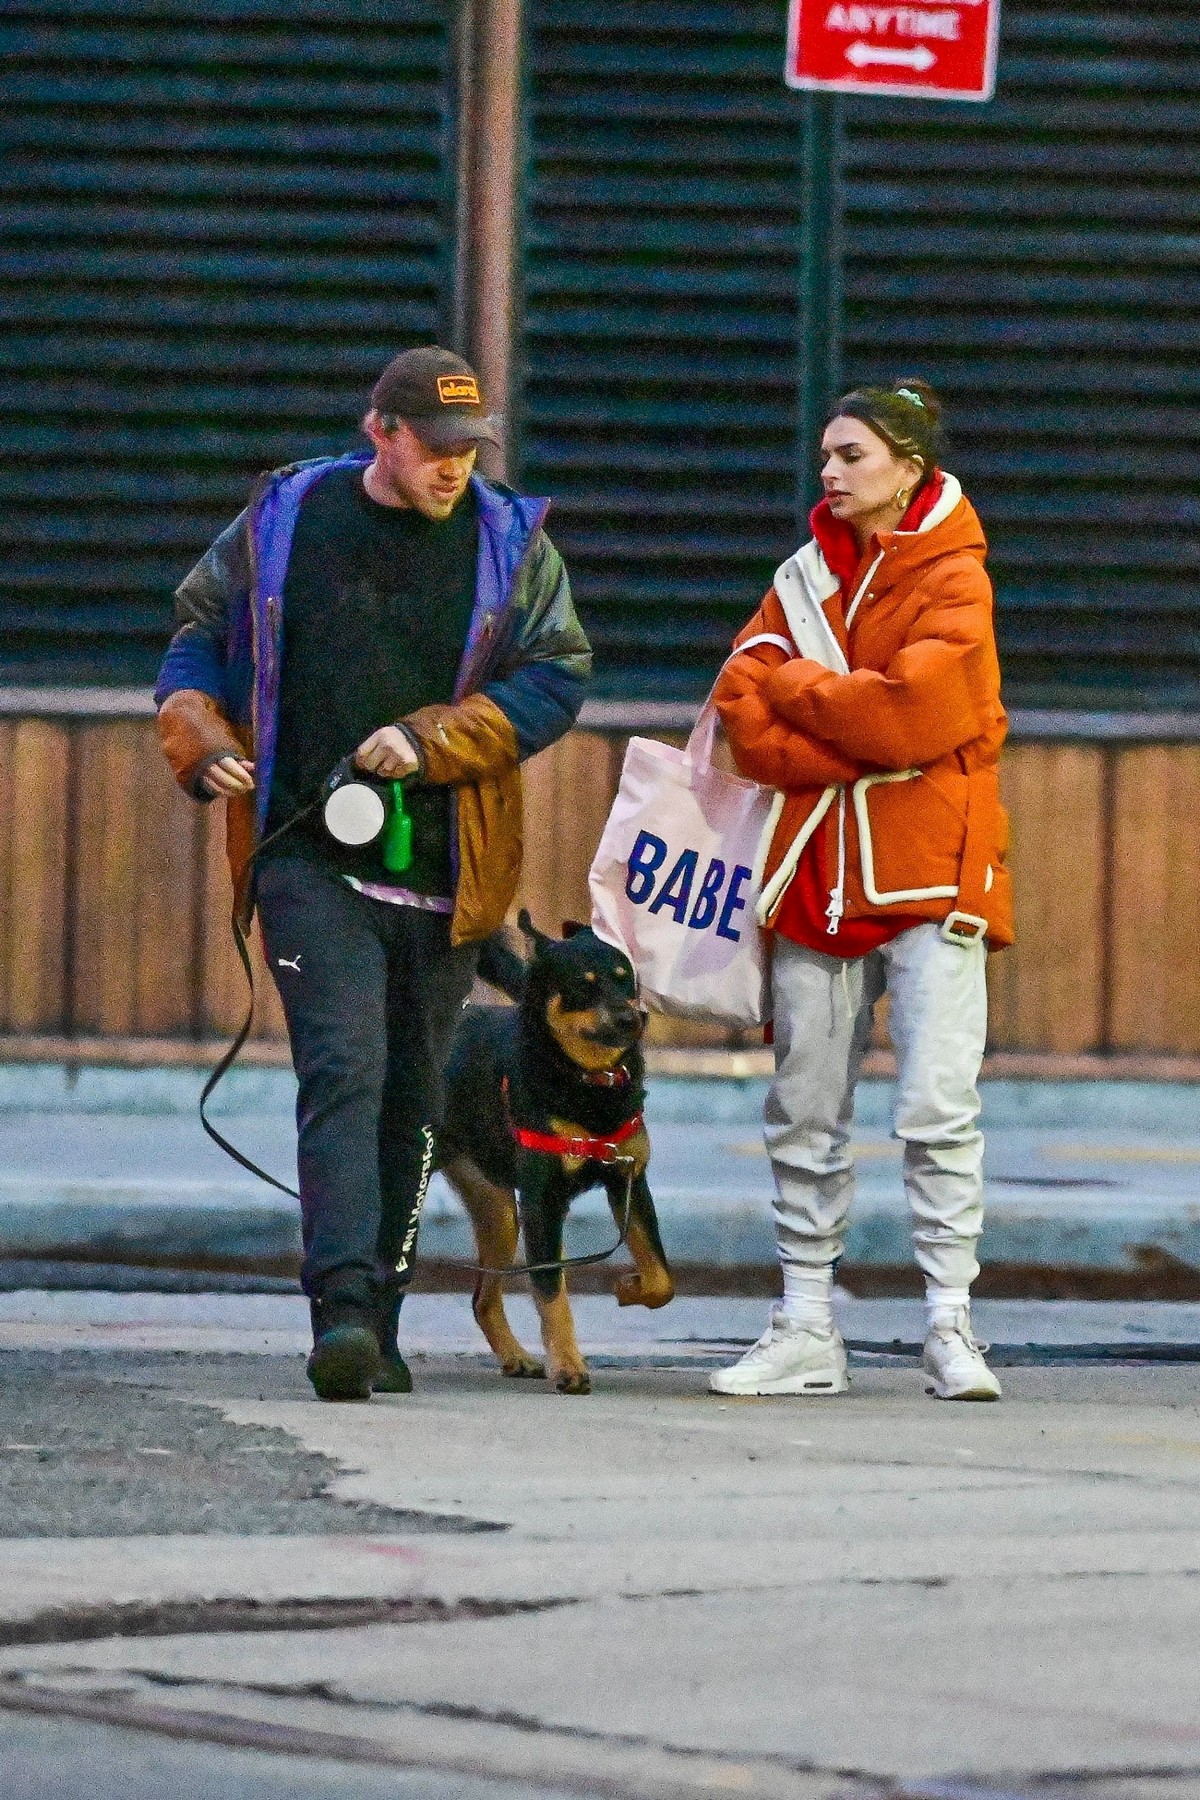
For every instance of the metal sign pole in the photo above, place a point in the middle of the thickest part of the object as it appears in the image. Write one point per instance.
(821, 260)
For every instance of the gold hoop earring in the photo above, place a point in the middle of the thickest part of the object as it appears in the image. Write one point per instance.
(903, 496)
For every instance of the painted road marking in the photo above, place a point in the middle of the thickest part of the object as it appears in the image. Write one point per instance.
(1160, 1153)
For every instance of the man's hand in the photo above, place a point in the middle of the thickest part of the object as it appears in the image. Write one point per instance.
(231, 776)
(387, 752)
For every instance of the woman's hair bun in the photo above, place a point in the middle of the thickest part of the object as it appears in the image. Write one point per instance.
(918, 390)
(907, 415)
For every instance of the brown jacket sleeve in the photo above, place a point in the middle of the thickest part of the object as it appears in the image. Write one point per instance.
(766, 746)
(468, 741)
(935, 695)
(194, 732)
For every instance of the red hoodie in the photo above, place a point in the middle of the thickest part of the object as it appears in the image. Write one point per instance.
(802, 915)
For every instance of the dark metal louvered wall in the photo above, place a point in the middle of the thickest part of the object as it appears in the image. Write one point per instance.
(660, 320)
(220, 218)
(1038, 259)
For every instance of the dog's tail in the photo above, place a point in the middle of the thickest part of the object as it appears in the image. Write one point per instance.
(501, 967)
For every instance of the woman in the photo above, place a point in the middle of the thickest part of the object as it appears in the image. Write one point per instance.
(885, 871)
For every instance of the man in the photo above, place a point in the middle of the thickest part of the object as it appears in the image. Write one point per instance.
(392, 606)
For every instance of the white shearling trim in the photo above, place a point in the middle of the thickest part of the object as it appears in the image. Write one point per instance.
(809, 566)
(798, 592)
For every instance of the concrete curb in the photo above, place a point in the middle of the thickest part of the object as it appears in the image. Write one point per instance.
(242, 1227)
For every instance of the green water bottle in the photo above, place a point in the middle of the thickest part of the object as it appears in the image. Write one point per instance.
(396, 843)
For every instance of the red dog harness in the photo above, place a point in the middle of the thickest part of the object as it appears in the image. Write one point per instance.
(590, 1149)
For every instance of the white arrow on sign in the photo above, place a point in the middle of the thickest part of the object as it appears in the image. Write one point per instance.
(920, 57)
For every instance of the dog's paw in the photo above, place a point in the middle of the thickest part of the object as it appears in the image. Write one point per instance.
(573, 1381)
(631, 1290)
(523, 1368)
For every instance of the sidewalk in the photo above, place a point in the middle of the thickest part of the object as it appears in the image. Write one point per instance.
(112, 1166)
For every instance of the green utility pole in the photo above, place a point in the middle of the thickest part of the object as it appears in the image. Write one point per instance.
(821, 259)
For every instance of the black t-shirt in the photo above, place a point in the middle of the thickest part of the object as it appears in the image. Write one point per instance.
(376, 607)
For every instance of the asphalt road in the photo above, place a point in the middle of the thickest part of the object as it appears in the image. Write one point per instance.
(111, 1446)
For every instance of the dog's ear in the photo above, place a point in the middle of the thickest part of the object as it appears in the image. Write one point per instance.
(572, 927)
(537, 938)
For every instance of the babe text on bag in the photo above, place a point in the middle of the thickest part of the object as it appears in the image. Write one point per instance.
(721, 892)
(677, 875)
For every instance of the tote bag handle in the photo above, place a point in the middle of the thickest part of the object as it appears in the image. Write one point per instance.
(699, 747)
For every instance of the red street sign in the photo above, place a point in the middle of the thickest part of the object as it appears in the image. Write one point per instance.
(929, 49)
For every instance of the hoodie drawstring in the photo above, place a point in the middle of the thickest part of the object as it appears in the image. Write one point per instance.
(837, 898)
(842, 977)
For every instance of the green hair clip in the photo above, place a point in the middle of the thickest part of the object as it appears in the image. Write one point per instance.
(911, 394)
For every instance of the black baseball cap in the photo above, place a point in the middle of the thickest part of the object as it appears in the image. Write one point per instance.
(438, 394)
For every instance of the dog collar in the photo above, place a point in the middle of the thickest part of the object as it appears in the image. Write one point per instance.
(590, 1149)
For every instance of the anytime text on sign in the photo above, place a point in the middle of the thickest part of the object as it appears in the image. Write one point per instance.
(931, 49)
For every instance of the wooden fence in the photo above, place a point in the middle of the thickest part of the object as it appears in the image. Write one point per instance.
(114, 894)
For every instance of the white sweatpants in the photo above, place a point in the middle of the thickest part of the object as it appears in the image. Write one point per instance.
(823, 1015)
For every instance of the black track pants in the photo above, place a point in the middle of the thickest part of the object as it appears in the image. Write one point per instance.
(372, 994)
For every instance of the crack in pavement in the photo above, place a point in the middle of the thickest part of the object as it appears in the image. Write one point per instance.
(1028, 1477)
(713, 1770)
(1041, 1785)
(237, 1615)
(191, 1618)
(19, 1685)
(1037, 1356)
(693, 1772)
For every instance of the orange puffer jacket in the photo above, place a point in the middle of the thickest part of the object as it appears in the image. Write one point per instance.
(888, 718)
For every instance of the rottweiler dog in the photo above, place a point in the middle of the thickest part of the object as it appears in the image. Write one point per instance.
(542, 1100)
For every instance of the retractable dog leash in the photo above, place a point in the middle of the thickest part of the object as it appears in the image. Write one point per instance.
(355, 814)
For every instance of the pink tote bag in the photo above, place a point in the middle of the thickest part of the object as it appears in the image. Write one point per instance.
(677, 875)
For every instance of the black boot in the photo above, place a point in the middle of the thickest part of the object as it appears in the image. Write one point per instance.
(345, 1355)
(394, 1376)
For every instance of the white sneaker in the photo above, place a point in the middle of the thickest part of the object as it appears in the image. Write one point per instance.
(789, 1358)
(954, 1359)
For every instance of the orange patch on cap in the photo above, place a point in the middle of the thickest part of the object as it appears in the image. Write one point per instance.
(458, 390)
